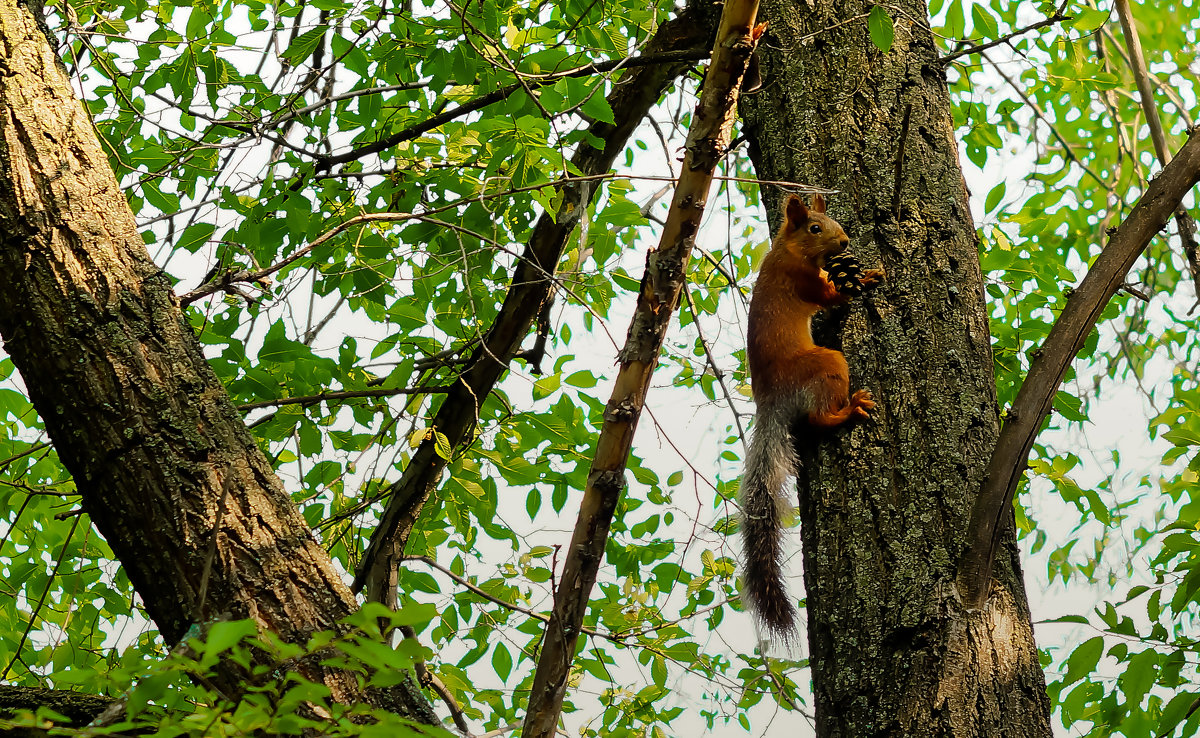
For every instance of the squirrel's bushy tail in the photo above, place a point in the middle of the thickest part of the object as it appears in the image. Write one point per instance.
(769, 461)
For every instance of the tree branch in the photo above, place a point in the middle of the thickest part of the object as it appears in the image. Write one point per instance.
(226, 280)
(1058, 17)
(343, 395)
(991, 512)
(1141, 75)
(662, 283)
(631, 99)
(436, 121)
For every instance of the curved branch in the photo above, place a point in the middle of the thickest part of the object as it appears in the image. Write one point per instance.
(991, 512)
(343, 395)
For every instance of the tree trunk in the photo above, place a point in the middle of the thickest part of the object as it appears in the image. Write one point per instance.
(159, 454)
(884, 507)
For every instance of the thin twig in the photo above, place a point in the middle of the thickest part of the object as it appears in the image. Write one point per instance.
(716, 370)
(62, 555)
(1058, 17)
(503, 93)
(501, 731)
(1141, 75)
(1166, 89)
(343, 395)
(1068, 152)
(427, 678)
(475, 589)
(31, 450)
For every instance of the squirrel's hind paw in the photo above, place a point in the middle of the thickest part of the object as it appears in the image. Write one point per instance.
(862, 403)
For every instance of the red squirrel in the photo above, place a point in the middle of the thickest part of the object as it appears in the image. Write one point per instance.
(794, 381)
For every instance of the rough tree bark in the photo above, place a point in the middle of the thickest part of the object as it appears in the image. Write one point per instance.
(884, 507)
(158, 452)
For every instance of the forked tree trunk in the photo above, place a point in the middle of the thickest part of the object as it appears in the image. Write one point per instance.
(884, 507)
(158, 452)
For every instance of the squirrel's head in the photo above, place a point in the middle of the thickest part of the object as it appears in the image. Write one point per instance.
(808, 233)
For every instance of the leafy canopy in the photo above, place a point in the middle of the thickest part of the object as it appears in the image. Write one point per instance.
(243, 133)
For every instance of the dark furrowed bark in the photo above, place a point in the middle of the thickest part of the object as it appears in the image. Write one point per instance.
(884, 506)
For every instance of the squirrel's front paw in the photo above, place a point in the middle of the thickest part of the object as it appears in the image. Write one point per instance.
(872, 277)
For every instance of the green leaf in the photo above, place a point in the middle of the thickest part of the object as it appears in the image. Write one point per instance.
(533, 503)
(956, 24)
(1085, 20)
(558, 498)
(1139, 676)
(304, 45)
(1083, 659)
(1080, 619)
(597, 107)
(995, 195)
(222, 636)
(984, 21)
(882, 31)
(441, 444)
(1069, 406)
(1175, 712)
(658, 670)
(546, 386)
(195, 236)
(502, 661)
(582, 379)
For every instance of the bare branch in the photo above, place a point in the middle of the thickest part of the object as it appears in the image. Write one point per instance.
(31, 450)
(343, 395)
(496, 96)
(658, 298)
(229, 278)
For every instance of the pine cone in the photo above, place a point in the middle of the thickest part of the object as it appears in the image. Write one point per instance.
(845, 273)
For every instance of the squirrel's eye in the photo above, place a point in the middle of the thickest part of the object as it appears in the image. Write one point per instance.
(814, 228)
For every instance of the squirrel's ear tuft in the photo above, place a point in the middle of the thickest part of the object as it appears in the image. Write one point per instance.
(818, 203)
(796, 212)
